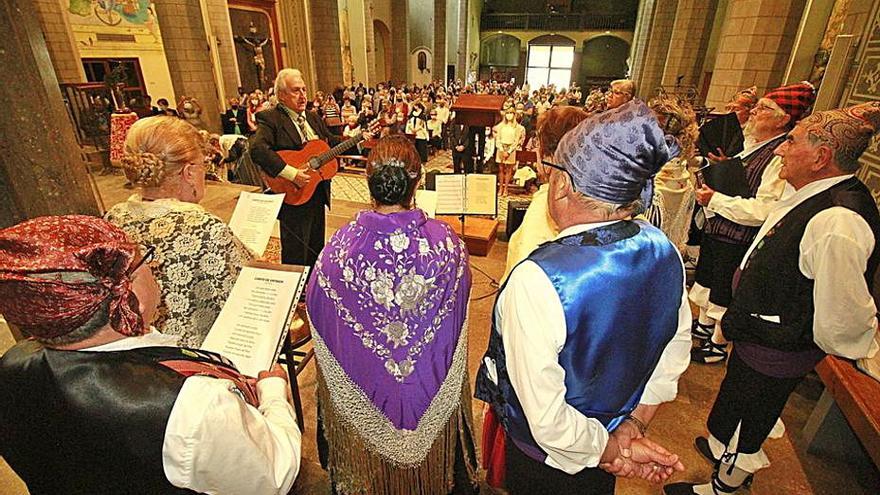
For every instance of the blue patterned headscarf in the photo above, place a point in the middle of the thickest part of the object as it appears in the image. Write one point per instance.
(613, 156)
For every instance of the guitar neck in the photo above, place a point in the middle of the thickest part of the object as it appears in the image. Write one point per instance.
(337, 150)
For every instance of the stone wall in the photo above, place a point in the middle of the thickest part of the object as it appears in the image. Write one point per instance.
(59, 41)
(687, 46)
(188, 55)
(755, 45)
(399, 41)
(658, 47)
(324, 15)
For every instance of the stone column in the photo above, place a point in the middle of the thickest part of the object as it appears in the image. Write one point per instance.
(296, 47)
(326, 43)
(439, 71)
(399, 41)
(59, 41)
(687, 46)
(657, 47)
(189, 56)
(461, 63)
(755, 45)
(220, 28)
(42, 171)
(640, 39)
(371, 44)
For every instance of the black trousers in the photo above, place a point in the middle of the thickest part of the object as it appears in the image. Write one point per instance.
(302, 231)
(462, 162)
(751, 397)
(422, 148)
(527, 476)
(715, 268)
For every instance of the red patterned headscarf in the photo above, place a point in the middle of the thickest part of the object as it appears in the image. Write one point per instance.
(50, 307)
(795, 99)
(847, 130)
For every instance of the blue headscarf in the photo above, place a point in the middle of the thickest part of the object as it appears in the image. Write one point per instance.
(614, 156)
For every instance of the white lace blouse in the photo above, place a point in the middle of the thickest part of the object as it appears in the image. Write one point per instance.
(196, 263)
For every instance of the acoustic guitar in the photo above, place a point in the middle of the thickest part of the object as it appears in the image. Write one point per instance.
(318, 160)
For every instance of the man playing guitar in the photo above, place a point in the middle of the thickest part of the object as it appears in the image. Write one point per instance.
(289, 127)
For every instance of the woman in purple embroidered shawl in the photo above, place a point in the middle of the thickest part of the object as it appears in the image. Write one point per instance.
(388, 307)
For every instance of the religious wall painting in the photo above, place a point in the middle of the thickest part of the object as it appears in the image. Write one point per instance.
(421, 65)
(113, 12)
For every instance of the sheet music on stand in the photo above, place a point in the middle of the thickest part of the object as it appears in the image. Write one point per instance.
(254, 322)
(466, 194)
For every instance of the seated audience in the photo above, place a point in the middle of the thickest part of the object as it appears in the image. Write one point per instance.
(388, 304)
(197, 257)
(97, 402)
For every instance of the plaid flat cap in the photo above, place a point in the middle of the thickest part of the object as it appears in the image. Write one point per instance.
(795, 99)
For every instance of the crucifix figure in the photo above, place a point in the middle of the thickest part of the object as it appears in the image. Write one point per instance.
(256, 46)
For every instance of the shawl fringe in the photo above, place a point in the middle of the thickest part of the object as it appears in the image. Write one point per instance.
(356, 469)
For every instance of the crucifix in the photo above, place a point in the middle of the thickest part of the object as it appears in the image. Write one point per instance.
(255, 44)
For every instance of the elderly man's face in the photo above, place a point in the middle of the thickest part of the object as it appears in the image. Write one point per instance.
(800, 158)
(766, 118)
(294, 96)
(616, 97)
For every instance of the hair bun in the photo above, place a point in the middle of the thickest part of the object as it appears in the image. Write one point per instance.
(389, 183)
(143, 168)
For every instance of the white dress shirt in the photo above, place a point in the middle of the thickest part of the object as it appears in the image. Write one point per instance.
(751, 211)
(217, 443)
(834, 253)
(531, 321)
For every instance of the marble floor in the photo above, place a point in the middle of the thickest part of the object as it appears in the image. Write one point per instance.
(794, 471)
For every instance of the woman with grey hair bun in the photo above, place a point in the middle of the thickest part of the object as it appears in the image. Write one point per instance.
(198, 257)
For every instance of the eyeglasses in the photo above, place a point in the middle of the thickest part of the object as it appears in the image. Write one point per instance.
(558, 167)
(148, 256)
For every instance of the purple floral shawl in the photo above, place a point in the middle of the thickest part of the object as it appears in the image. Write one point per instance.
(388, 302)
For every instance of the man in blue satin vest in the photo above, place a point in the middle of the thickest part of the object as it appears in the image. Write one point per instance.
(590, 332)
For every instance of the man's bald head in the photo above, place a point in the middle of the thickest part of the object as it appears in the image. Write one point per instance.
(290, 88)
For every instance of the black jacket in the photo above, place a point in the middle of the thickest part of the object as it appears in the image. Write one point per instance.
(240, 115)
(459, 136)
(276, 132)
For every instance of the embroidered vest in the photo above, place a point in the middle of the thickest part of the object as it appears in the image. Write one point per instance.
(621, 289)
(772, 283)
(755, 164)
(79, 422)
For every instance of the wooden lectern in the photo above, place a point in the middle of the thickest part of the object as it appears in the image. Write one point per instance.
(479, 112)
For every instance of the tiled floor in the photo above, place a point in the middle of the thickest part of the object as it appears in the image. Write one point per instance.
(794, 471)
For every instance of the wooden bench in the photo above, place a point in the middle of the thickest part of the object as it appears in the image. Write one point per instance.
(857, 398)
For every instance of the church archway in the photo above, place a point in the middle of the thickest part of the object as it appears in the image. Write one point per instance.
(604, 59)
(383, 50)
(499, 57)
